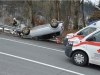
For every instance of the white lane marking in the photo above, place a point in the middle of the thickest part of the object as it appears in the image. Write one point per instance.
(48, 65)
(31, 44)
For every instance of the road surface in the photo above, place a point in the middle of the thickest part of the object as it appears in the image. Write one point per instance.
(29, 57)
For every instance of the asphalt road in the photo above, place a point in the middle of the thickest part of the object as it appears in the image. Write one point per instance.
(29, 57)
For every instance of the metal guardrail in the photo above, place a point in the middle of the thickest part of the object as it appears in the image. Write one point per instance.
(7, 27)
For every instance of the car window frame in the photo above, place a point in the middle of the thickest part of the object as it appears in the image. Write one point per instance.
(93, 36)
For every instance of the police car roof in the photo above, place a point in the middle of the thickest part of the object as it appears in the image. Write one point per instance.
(96, 24)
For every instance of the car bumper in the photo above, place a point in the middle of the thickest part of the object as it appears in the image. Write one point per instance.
(68, 50)
(65, 41)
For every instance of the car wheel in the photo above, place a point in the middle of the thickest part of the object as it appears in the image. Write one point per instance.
(25, 31)
(79, 58)
(54, 23)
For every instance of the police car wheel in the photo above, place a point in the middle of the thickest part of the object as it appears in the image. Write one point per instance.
(79, 58)
(54, 23)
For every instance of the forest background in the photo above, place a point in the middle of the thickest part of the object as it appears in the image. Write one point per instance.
(75, 14)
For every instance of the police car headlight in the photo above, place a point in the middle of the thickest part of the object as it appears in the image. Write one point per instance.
(68, 36)
(76, 42)
(70, 42)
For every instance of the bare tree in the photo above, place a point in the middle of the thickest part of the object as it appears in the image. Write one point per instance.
(83, 13)
(48, 10)
(31, 14)
(68, 15)
(76, 4)
(57, 9)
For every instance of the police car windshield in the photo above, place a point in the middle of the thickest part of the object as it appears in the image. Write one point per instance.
(87, 31)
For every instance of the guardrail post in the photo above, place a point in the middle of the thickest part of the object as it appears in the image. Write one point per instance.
(2, 29)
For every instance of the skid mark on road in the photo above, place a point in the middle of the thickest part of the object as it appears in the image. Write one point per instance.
(31, 44)
(44, 64)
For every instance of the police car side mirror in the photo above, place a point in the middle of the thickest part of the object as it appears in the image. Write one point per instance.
(79, 33)
(89, 39)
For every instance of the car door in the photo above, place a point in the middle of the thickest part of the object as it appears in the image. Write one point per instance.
(93, 48)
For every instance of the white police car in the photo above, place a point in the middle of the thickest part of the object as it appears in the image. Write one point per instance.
(79, 35)
(85, 51)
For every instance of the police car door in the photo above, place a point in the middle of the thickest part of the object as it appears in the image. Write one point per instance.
(93, 48)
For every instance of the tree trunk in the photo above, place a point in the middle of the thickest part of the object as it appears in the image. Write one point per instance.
(57, 9)
(83, 13)
(76, 13)
(68, 15)
(31, 14)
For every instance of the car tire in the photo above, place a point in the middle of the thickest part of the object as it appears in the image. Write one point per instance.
(54, 23)
(79, 58)
(25, 31)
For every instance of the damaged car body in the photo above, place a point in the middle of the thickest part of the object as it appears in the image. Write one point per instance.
(46, 31)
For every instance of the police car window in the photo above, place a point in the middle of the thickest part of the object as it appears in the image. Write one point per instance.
(87, 31)
(97, 37)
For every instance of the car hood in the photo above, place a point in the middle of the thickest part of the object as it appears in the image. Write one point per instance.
(76, 38)
(69, 35)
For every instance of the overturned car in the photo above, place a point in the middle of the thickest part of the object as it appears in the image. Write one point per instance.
(46, 31)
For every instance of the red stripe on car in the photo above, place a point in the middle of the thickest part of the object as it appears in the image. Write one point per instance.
(87, 43)
(78, 36)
